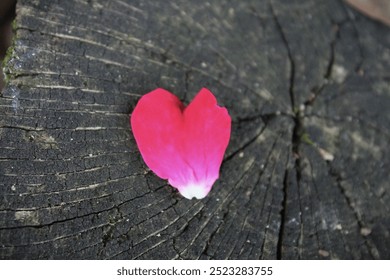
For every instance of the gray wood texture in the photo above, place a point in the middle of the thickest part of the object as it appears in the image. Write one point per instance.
(306, 174)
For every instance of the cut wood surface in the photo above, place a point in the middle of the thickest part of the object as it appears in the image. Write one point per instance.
(306, 173)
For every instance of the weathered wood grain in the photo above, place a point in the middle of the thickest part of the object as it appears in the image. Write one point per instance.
(306, 174)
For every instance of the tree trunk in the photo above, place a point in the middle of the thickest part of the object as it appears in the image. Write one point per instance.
(306, 173)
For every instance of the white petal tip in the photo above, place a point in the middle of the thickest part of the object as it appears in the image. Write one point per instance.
(198, 191)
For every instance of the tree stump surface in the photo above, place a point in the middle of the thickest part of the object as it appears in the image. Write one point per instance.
(306, 173)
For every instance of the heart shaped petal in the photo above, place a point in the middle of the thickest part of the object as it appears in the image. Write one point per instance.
(184, 145)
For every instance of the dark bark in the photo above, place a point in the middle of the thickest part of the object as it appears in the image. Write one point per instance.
(306, 174)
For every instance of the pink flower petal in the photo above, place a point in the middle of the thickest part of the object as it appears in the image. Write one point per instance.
(184, 145)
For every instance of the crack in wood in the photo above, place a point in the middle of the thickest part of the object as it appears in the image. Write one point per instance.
(289, 54)
(351, 205)
(279, 250)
